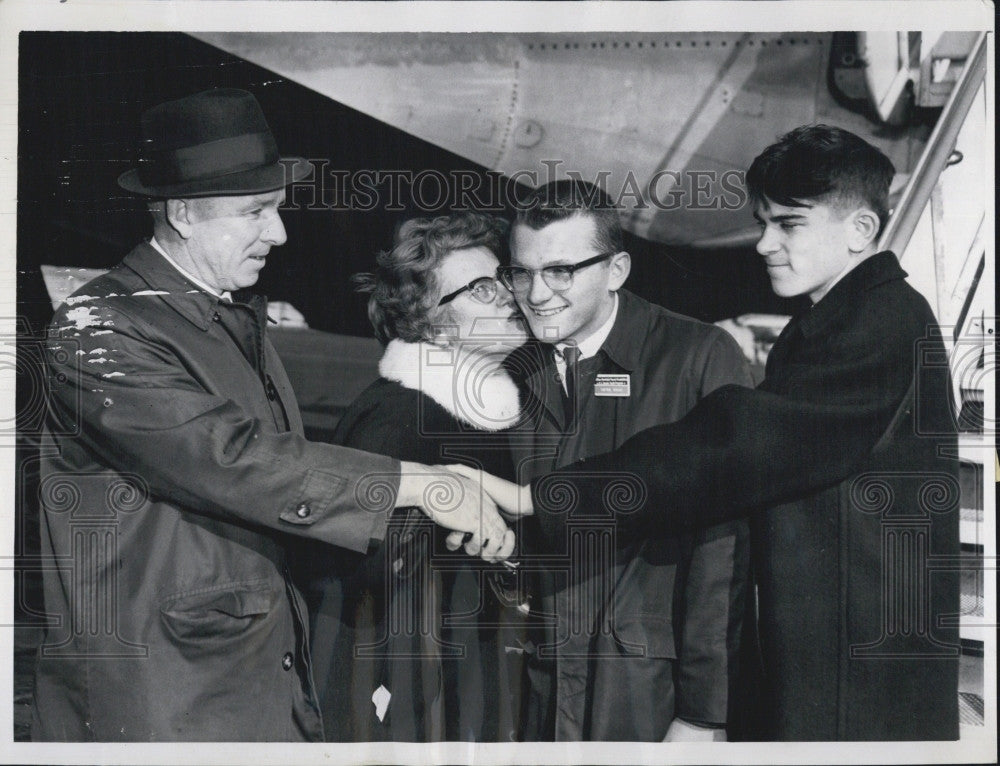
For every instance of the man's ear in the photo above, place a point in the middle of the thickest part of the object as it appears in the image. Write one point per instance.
(621, 265)
(862, 229)
(180, 216)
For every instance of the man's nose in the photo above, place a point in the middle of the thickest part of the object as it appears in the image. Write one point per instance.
(274, 234)
(768, 241)
(539, 292)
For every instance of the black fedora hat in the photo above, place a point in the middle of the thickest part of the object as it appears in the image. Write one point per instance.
(213, 143)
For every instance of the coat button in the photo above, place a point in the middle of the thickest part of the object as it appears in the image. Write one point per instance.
(216, 317)
(287, 661)
(303, 511)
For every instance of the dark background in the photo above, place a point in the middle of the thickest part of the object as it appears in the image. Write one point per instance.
(80, 97)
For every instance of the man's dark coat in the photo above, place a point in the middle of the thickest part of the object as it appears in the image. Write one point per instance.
(845, 457)
(173, 464)
(644, 630)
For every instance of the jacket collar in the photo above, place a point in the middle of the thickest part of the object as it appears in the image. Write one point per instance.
(182, 295)
(623, 344)
(873, 271)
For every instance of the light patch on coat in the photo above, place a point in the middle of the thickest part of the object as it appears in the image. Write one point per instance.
(74, 299)
(474, 390)
(83, 317)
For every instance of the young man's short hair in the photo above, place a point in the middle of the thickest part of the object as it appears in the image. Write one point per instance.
(559, 200)
(822, 163)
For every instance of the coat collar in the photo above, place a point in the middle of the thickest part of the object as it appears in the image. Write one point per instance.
(623, 344)
(873, 271)
(486, 402)
(186, 298)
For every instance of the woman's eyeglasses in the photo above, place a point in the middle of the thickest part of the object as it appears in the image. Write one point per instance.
(483, 289)
(558, 277)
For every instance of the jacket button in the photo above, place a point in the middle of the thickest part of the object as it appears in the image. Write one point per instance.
(272, 393)
(303, 511)
(216, 317)
(287, 661)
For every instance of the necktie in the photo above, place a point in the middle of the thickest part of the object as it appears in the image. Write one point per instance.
(571, 355)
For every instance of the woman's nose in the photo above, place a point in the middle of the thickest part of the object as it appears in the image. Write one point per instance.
(504, 296)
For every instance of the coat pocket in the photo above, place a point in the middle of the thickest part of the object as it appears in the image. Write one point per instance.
(219, 613)
(645, 636)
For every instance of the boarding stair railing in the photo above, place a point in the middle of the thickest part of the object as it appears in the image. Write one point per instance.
(943, 232)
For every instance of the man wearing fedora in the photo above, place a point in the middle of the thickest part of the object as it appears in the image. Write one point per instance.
(174, 464)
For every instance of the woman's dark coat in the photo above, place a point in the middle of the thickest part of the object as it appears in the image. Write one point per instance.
(414, 618)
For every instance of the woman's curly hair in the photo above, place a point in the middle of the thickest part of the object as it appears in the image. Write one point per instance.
(403, 287)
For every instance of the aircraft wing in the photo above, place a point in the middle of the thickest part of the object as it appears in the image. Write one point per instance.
(665, 122)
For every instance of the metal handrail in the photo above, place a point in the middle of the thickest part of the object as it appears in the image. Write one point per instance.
(918, 189)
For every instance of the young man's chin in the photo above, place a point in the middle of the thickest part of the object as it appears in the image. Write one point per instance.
(783, 290)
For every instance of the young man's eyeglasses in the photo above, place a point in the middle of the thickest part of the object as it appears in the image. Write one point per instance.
(483, 289)
(557, 277)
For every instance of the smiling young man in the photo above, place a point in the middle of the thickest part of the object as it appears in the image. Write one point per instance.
(640, 639)
(818, 222)
(843, 458)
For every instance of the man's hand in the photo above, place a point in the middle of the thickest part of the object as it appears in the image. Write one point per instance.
(514, 499)
(456, 503)
(474, 545)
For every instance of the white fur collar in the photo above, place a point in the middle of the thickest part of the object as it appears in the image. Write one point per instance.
(486, 400)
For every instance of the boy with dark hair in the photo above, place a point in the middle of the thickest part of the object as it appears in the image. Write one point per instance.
(823, 164)
(842, 458)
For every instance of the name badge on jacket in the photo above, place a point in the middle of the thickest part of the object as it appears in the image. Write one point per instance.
(613, 385)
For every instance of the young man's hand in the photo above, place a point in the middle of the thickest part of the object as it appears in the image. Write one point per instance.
(513, 499)
(460, 504)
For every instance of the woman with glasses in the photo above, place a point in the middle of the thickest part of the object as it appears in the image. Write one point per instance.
(387, 665)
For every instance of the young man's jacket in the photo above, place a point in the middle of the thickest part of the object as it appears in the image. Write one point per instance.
(846, 457)
(174, 461)
(643, 631)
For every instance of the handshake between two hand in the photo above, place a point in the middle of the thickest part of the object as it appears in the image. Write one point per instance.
(468, 502)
